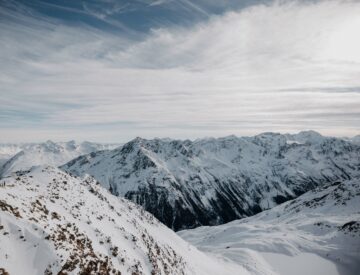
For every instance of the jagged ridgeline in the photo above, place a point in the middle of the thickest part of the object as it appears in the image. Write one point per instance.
(213, 181)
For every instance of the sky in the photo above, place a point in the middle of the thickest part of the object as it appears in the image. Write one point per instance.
(108, 71)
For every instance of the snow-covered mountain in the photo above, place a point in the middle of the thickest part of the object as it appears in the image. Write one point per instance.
(7, 150)
(23, 156)
(213, 181)
(356, 139)
(53, 223)
(317, 233)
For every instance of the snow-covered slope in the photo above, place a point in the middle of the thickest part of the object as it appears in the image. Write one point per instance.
(53, 223)
(213, 181)
(7, 150)
(48, 153)
(317, 233)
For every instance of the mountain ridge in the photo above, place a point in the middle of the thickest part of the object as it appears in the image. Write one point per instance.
(55, 223)
(212, 181)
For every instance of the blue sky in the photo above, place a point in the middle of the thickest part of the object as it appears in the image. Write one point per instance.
(107, 70)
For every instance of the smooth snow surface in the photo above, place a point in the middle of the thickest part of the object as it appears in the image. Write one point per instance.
(304, 263)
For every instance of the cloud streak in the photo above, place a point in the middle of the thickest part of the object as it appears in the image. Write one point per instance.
(279, 66)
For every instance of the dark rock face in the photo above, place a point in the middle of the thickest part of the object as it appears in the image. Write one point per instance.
(213, 181)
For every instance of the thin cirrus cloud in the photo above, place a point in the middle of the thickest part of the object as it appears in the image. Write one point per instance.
(272, 66)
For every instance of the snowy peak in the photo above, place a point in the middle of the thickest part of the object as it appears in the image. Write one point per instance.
(55, 223)
(216, 180)
(47, 153)
(309, 136)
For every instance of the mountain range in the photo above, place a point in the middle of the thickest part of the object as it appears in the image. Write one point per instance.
(212, 181)
(271, 204)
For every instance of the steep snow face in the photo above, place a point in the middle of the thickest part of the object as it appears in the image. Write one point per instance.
(53, 223)
(22, 157)
(317, 233)
(212, 181)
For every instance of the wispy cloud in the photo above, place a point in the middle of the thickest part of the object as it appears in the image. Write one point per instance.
(279, 66)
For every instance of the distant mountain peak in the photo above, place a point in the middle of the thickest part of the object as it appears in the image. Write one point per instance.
(49, 152)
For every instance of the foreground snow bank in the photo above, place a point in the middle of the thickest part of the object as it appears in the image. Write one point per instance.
(51, 222)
